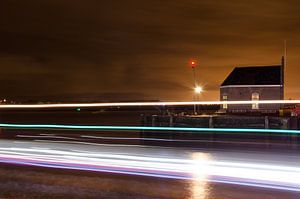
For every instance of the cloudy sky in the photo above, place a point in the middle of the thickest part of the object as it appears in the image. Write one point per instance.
(140, 49)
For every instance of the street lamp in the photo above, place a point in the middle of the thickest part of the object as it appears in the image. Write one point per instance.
(193, 64)
(198, 89)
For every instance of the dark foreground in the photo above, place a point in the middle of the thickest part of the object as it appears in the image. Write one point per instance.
(27, 182)
(24, 182)
(31, 182)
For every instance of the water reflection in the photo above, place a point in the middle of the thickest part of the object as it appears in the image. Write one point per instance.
(199, 186)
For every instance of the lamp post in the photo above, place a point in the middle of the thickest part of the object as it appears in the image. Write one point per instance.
(193, 64)
(198, 90)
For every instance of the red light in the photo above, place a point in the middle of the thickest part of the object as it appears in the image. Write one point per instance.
(193, 63)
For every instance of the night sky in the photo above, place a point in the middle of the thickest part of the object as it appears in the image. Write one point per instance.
(139, 49)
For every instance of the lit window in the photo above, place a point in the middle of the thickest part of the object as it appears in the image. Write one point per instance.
(225, 98)
(255, 97)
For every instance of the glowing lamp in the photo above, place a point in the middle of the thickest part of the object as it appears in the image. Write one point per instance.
(198, 89)
(193, 63)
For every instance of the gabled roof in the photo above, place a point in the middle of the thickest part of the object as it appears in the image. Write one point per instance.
(254, 75)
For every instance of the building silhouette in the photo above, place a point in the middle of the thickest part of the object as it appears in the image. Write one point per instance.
(253, 83)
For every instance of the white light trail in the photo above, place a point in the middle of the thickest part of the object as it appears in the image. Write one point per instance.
(203, 167)
(130, 104)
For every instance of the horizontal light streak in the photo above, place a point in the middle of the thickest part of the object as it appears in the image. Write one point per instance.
(145, 128)
(46, 136)
(95, 138)
(235, 172)
(83, 168)
(255, 86)
(130, 104)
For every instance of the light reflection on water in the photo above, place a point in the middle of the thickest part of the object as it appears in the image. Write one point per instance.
(199, 186)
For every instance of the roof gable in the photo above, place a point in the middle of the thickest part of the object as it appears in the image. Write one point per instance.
(254, 75)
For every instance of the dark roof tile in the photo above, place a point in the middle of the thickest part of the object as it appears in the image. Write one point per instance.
(254, 75)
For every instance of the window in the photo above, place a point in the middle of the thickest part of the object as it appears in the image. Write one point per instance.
(255, 97)
(225, 105)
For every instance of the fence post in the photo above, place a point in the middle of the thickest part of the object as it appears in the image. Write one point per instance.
(267, 139)
(153, 120)
(171, 120)
(211, 122)
(267, 122)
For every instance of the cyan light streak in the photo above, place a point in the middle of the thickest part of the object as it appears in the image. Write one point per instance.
(145, 128)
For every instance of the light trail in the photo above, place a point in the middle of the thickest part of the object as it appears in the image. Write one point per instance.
(130, 104)
(46, 136)
(266, 174)
(132, 138)
(145, 128)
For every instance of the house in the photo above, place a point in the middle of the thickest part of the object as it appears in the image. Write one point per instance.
(253, 83)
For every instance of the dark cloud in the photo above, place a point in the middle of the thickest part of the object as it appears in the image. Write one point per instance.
(56, 47)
